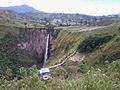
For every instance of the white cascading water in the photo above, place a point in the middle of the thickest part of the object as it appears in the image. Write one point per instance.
(46, 49)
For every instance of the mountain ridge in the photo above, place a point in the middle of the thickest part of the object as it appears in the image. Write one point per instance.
(26, 9)
(21, 9)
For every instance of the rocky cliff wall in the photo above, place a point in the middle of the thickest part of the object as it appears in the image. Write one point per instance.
(35, 40)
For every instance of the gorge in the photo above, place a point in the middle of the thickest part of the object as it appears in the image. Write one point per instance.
(37, 41)
(77, 51)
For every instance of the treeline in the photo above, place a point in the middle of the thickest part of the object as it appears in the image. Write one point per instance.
(92, 42)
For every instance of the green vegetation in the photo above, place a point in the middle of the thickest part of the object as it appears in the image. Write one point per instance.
(94, 79)
(93, 42)
(11, 18)
(11, 57)
(65, 44)
(100, 69)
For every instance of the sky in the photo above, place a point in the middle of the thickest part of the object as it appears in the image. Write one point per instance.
(89, 7)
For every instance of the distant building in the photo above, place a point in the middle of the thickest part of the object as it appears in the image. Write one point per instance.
(56, 21)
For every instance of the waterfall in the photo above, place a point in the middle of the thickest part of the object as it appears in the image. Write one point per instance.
(46, 49)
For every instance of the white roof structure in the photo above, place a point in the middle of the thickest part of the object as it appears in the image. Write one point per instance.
(44, 70)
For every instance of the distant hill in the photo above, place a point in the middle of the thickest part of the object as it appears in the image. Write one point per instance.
(20, 9)
(27, 14)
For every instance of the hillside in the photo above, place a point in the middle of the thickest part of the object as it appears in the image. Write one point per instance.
(98, 44)
(104, 57)
(9, 18)
(99, 69)
(60, 19)
(71, 37)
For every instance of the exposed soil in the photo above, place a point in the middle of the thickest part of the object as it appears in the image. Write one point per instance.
(77, 57)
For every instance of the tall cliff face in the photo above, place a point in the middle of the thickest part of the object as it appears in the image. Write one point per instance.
(35, 40)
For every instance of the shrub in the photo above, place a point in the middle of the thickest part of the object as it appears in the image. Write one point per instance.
(92, 42)
(97, 80)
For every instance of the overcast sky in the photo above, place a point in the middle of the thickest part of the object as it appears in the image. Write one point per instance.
(90, 7)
